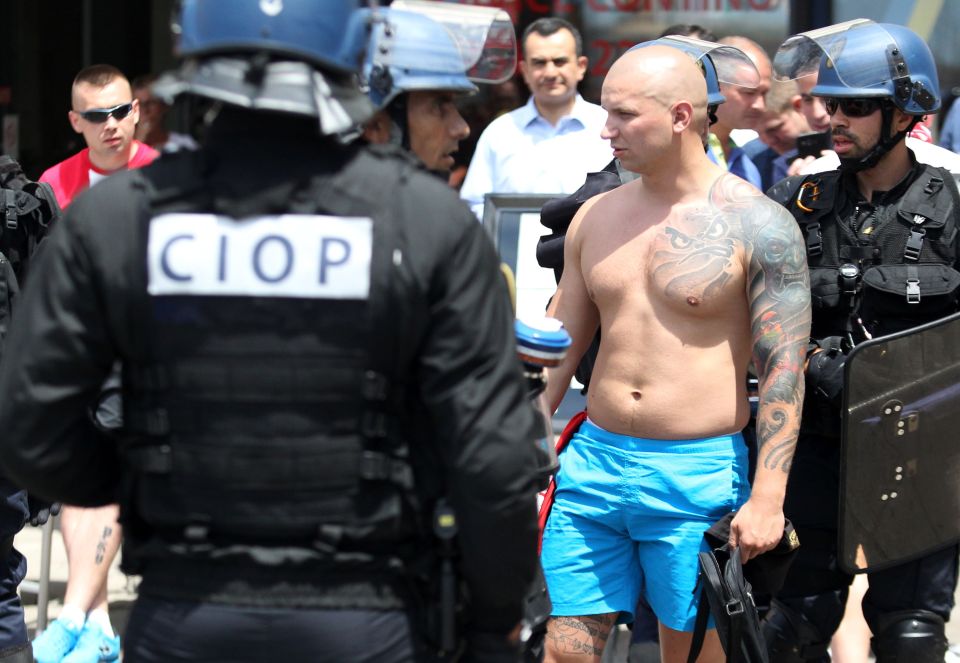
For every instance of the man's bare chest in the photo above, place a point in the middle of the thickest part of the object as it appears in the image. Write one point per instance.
(690, 260)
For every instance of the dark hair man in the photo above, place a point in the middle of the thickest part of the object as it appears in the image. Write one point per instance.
(326, 431)
(552, 142)
(104, 111)
(415, 72)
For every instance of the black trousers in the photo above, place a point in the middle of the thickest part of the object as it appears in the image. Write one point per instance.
(13, 566)
(174, 631)
(927, 583)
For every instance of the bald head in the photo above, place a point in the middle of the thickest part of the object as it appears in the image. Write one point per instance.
(663, 74)
(754, 51)
(656, 103)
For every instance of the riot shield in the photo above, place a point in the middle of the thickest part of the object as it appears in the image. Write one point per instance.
(900, 468)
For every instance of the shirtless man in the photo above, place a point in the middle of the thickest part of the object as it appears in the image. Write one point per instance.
(693, 275)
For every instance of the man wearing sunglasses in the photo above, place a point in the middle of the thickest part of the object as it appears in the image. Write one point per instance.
(105, 113)
(881, 234)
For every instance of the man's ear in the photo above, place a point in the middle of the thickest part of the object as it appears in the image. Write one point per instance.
(682, 116)
(582, 63)
(902, 120)
(796, 101)
(74, 119)
(377, 129)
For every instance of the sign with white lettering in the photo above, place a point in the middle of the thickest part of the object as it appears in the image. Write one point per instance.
(292, 255)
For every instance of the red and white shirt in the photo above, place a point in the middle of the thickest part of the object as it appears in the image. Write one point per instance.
(75, 174)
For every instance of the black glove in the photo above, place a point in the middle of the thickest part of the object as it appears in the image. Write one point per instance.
(490, 648)
(825, 372)
(41, 511)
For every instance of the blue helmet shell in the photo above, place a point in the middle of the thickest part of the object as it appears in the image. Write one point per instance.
(881, 60)
(331, 34)
(409, 51)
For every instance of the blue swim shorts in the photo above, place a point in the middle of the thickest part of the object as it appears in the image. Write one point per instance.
(629, 518)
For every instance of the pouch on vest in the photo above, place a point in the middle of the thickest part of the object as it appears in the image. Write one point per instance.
(897, 297)
(825, 290)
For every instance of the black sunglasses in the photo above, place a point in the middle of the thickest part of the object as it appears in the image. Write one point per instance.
(100, 115)
(852, 107)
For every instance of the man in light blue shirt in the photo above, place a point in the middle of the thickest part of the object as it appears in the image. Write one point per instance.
(551, 143)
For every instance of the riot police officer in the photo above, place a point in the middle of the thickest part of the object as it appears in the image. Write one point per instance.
(881, 236)
(420, 62)
(322, 401)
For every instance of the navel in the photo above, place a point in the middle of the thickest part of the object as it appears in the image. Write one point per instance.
(693, 301)
(636, 395)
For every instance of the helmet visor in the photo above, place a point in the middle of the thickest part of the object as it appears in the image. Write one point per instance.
(850, 48)
(734, 67)
(484, 37)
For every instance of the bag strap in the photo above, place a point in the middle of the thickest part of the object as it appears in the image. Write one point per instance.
(700, 627)
(710, 577)
(736, 612)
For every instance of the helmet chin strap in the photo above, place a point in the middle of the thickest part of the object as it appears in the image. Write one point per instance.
(397, 110)
(884, 145)
(400, 129)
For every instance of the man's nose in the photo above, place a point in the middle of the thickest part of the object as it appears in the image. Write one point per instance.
(459, 128)
(819, 108)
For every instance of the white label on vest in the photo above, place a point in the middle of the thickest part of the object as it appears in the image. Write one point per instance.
(293, 255)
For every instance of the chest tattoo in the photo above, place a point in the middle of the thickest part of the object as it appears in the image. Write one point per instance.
(694, 257)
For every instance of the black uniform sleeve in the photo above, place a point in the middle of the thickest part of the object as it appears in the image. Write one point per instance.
(473, 388)
(559, 212)
(57, 356)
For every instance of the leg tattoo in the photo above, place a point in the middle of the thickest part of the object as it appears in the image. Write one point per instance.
(102, 544)
(585, 635)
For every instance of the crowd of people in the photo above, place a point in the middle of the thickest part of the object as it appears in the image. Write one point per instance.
(275, 363)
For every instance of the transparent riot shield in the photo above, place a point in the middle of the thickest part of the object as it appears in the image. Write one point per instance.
(485, 39)
(900, 468)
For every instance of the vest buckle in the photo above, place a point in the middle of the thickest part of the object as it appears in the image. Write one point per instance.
(814, 240)
(10, 197)
(913, 291)
(914, 244)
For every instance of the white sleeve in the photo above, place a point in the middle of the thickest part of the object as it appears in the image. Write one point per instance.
(479, 179)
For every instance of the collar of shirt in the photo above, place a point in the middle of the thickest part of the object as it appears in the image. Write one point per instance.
(852, 189)
(531, 118)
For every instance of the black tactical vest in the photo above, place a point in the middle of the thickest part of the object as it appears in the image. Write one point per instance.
(890, 269)
(276, 421)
